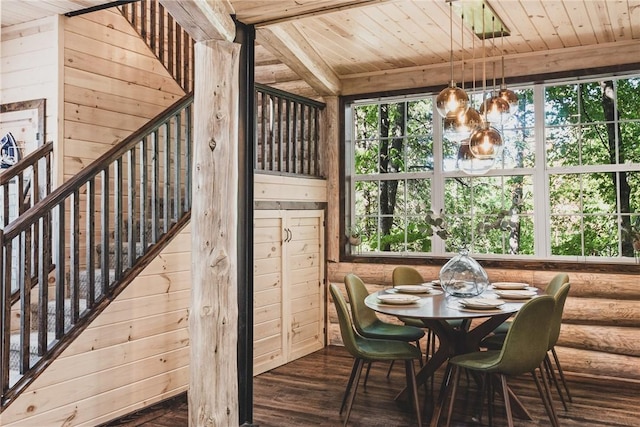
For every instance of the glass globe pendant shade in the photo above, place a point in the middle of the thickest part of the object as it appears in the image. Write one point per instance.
(470, 164)
(486, 142)
(461, 126)
(495, 109)
(452, 100)
(509, 96)
(462, 276)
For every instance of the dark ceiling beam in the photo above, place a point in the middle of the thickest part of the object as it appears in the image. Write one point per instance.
(99, 7)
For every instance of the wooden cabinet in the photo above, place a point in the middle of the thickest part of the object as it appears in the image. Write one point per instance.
(288, 286)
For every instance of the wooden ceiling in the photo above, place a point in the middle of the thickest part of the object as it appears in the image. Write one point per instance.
(359, 46)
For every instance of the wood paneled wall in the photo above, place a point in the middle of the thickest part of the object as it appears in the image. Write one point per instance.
(279, 188)
(600, 335)
(134, 354)
(113, 84)
(108, 84)
(29, 70)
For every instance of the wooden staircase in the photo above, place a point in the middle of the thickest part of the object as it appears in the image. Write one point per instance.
(75, 250)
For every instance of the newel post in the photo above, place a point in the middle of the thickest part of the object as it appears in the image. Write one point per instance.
(213, 319)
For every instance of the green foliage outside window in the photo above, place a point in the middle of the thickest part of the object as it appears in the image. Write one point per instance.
(591, 166)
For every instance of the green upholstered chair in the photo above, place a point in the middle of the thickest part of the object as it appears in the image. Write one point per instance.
(552, 288)
(558, 288)
(554, 333)
(523, 350)
(369, 325)
(404, 275)
(372, 350)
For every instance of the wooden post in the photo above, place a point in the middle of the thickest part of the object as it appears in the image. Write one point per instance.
(213, 320)
(331, 171)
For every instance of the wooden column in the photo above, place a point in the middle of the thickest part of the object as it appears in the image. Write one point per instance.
(213, 320)
(331, 171)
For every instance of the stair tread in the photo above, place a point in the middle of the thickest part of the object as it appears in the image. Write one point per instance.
(125, 248)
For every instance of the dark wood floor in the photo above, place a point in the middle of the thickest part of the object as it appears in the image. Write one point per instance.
(308, 392)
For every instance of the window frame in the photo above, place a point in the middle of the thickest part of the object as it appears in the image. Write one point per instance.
(540, 177)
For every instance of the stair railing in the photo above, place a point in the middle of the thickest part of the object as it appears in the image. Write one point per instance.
(287, 132)
(22, 186)
(170, 43)
(85, 238)
(25, 183)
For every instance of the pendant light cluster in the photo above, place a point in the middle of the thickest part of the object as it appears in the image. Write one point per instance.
(479, 142)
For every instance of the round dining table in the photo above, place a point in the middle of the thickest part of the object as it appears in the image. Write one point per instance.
(433, 309)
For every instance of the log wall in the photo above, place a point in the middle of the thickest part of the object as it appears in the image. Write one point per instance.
(600, 335)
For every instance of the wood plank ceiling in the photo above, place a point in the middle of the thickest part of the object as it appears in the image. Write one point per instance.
(354, 46)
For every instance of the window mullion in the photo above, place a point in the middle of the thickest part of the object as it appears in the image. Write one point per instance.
(437, 185)
(541, 208)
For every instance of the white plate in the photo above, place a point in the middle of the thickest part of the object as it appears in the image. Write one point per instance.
(510, 285)
(398, 299)
(483, 310)
(412, 289)
(516, 294)
(481, 303)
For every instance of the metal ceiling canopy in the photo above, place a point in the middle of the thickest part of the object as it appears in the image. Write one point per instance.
(480, 18)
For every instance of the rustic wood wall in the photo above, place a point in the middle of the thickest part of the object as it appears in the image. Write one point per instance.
(600, 334)
(107, 84)
(134, 354)
(29, 70)
(113, 84)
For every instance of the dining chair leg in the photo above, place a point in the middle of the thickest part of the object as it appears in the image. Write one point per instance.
(366, 375)
(349, 384)
(490, 396)
(445, 381)
(552, 373)
(420, 348)
(430, 349)
(454, 390)
(480, 401)
(360, 363)
(411, 383)
(561, 373)
(440, 400)
(547, 407)
(507, 403)
(390, 367)
(547, 389)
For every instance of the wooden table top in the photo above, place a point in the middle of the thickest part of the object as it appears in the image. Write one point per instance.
(440, 306)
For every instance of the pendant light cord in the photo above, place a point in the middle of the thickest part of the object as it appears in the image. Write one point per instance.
(502, 51)
(462, 50)
(493, 49)
(484, 68)
(451, 37)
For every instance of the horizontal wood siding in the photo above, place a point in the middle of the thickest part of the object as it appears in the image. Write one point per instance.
(134, 354)
(601, 319)
(279, 188)
(113, 85)
(29, 70)
(268, 305)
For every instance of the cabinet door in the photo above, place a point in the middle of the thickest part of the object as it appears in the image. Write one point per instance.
(269, 337)
(303, 275)
(288, 286)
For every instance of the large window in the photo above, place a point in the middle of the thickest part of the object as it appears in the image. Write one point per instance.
(567, 185)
